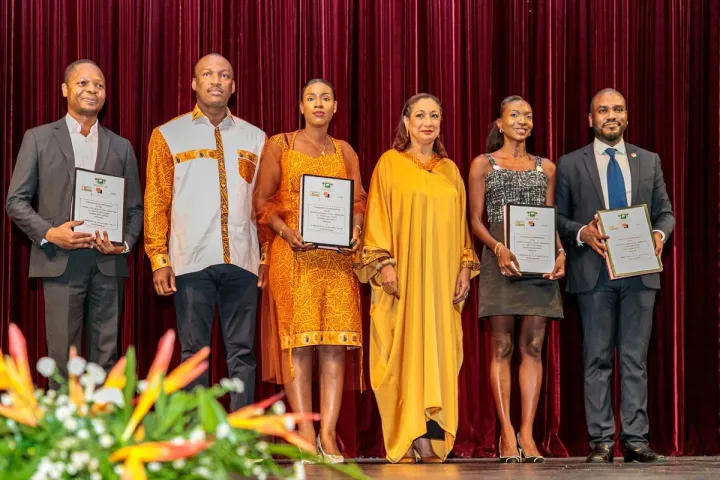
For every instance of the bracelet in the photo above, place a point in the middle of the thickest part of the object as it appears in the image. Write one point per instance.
(384, 263)
(359, 229)
(281, 230)
(561, 250)
(497, 248)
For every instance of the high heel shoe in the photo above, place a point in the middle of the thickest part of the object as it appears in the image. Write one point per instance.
(512, 459)
(326, 456)
(431, 459)
(525, 458)
(410, 460)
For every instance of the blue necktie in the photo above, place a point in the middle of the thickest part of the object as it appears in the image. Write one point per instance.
(615, 182)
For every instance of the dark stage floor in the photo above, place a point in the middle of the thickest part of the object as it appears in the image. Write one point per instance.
(558, 468)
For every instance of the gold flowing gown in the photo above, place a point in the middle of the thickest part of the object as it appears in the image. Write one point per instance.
(416, 215)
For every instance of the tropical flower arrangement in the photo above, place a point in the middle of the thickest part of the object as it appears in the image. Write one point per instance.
(112, 426)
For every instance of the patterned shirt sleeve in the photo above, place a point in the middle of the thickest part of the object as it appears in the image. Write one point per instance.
(158, 200)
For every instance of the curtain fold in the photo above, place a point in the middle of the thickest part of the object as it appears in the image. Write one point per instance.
(663, 55)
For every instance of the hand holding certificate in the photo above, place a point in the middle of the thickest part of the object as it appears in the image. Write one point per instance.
(326, 211)
(530, 233)
(630, 246)
(99, 201)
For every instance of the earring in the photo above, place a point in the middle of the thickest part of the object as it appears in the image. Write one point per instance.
(501, 130)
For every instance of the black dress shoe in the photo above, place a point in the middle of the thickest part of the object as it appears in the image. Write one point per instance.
(600, 454)
(643, 455)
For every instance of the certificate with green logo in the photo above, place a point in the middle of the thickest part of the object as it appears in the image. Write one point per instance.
(99, 201)
(630, 248)
(326, 211)
(530, 233)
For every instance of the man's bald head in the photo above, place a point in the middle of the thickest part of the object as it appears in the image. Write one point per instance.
(215, 59)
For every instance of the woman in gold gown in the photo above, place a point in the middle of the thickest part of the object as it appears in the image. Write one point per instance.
(313, 299)
(418, 258)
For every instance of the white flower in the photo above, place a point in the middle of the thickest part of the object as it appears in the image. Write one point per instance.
(80, 459)
(84, 409)
(76, 366)
(106, 441)
(257, 470)
(6, 399)
(11, 424)
(179, 464)
(96, 373)
(299, 471)
(239, 385)
(278, 408)
(72, 470)
(262, 446)
(50, 394)
(62, 399)
(93, 464)
(289, 423)
(177, 441)
(142, 386)
(226, 383)
(98, 426)
(241, 451)
(202, 472)
(223, 430)
(66, 444)
(46, 366)
(118, 470)
(262, 476)
(109, 395)
(154, 466)
(95, 476)
(70, 424)
(197, 436)
(83, 434)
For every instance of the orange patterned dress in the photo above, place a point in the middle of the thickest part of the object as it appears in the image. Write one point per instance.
(314, 296)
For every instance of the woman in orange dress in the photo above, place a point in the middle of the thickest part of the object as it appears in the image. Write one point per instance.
(313, 300)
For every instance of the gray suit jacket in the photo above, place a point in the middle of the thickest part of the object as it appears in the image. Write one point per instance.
(46, 167)
(578, 195)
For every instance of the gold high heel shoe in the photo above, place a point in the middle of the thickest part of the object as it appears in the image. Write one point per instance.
(326, 456)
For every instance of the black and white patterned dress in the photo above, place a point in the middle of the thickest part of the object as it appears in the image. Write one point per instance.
(497, 294)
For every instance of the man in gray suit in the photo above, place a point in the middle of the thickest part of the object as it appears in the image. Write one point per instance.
(615, 314)
(83, 274)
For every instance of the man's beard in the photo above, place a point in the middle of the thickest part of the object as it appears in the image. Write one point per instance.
(612, 136)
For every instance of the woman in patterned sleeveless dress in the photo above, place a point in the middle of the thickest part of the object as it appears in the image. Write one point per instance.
(313, 299)
(510, 175)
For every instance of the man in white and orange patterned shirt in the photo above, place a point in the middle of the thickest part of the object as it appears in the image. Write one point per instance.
(200, 232)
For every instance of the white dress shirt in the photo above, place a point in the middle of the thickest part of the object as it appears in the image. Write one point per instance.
(84, 148)
(602, 160)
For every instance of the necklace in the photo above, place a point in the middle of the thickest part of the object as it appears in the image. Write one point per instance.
(321, 150)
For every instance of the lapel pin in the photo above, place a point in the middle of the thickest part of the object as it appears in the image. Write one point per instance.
(633, 154)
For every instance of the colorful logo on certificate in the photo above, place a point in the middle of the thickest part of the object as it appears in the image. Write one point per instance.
(99, 181)
(327, 194)
(314, 194)
(624, 225)
(531, 213)
(98, 189)
(86, 188)
(531, 223)
(327, 184)
(519, 223)
(623, 216)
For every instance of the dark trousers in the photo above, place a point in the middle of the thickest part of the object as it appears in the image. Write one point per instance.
(618, 315)
(83, 296)
(235, 292)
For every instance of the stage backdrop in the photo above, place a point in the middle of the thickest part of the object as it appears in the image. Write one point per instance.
(662, 54)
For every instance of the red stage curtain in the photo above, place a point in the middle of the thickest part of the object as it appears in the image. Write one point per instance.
(664, 55)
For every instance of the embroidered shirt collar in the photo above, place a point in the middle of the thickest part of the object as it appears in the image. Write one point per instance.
(197, 113)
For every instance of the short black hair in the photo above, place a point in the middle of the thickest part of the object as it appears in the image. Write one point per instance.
(317, 80)
(71, 67)
(602, 92)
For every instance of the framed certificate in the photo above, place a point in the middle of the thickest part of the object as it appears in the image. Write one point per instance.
(530, 233)
(99, 200)
(326, 211)
(630, 248)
